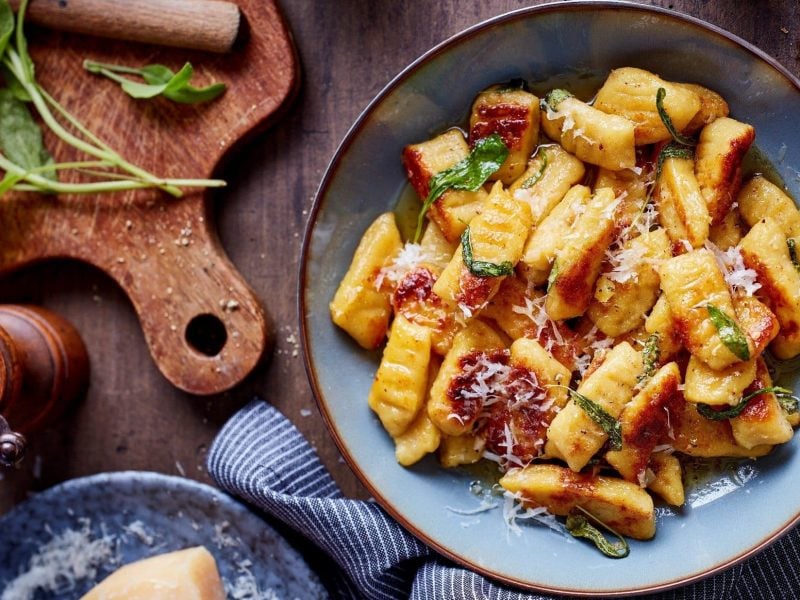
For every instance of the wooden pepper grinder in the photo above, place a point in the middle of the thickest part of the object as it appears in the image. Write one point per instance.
(43, 368)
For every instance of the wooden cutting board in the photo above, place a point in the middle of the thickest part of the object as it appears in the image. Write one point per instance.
(204, 326)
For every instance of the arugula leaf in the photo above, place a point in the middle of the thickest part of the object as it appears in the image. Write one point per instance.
(730, 334)
(651, 353)
(6, 25)
(468, 174)
(21, 137)
(579, 526)
(672, 150)
(598, 414)
(665, 118)
(785, 397)
(534, 179)
(160, 81)
(479, 267)
(792, 244)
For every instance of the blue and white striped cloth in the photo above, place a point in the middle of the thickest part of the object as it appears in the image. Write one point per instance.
(260, 457)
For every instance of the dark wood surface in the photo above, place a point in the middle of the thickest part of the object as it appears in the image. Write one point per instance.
(349, 49)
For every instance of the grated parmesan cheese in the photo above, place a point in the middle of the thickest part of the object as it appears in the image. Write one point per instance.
(410, 256)
(740, 279)
(69, 559)
(514, 510)
(535, 310)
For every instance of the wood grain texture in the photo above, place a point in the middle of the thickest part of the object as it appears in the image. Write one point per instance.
(210, 25)
(163, 252)
(350, 50)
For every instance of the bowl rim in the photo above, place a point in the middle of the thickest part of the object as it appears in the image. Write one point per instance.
(330, 173)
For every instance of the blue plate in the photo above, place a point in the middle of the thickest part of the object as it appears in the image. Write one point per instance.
(572, 41)
(72, 536)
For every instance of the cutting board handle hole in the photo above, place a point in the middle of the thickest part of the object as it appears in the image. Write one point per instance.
(206, 334)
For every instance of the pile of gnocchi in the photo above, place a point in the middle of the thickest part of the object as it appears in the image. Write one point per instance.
(587, 299)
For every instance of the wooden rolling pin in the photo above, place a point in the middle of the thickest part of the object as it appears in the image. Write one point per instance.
(197, 24)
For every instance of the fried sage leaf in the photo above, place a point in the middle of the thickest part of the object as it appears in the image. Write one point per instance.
(482, 268)
(610, 426)
(651, 354)
(785, 397)
(534, 179)
(468, 174)
(665, 118)
(729, 332)
(578, 526)
(792, 244)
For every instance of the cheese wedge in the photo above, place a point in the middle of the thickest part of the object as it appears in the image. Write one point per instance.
(189, 574)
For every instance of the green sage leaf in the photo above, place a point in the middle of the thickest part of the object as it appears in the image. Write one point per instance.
(729, 332)
(468, 174)
(792, 244)
(21, 137)
(709, 412)
(479, 267)
(672, 150)
(13, 84)
(534, 179)
(554, 98)
(665, 118)
(551, 278)
(609, 425)
(22, 43)
(651, 354)
(578, 526)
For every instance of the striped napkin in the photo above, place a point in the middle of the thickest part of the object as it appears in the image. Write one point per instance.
(262, 458)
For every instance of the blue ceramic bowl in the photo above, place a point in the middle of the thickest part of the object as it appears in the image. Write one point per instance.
(365, 178)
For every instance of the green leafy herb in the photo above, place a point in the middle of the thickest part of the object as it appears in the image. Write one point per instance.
(792, 244)
(20, 136)
(479, 267)
(551, 278)
(554, 98)
(665, 118)
(729, 332)
(784, 396)
(27, 165)
(672, 150)
(6, 25)
(534, 179)
(160, 81)
(651, 353)
(578, 526)
(598, 414)
(468, 174)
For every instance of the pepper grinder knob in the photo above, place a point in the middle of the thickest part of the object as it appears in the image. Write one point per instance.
(43, 368)
(12, 445)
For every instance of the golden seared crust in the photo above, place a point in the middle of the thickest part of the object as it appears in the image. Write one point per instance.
(631, 93)
(667, 478)
(454, 209)
(697, 436)
(573, 435)
(762, 421)
(513, 114)
(718, 164)
(543, 185)
(645, 421)
(358, 306)
(690, 283)
(595, 137)
(682, 209)
(578, 262)
(712, 107)
(757, 320)
(621, 505)
(764, 250)
(718, 388)
(759, 198)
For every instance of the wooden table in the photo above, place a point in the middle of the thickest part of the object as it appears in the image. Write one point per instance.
(349, 49)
